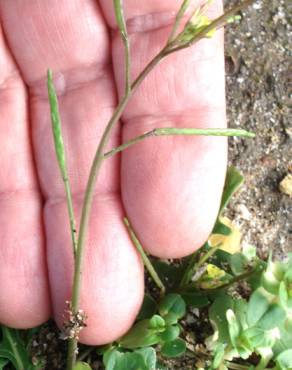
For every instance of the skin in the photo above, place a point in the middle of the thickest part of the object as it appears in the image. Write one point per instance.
(170, 188)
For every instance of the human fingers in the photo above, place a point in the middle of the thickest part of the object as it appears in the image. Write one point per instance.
(71, 38)
(24, 289)
(171, 187)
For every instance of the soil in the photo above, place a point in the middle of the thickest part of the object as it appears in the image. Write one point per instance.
(259, 87)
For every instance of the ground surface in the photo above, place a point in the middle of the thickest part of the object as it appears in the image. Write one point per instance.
(259, 98)
(259, 87)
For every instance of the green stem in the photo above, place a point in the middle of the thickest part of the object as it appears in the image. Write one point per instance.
(96, 165)
(236, 279)
(71, 215)
(206, 256)
(172, 131)
(89, 193)
(121, 22)
(145, 258)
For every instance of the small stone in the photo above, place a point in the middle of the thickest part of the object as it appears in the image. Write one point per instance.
(286, 185)
(245, 214)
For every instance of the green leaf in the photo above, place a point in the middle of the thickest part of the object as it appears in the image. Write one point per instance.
(270, 282)
(272, 318)
(172, 308)
(170, 274)
(219, 353)
(284, 343)
(170, 333)
(149, 356)
(258, 305)
(283, 294)
(238, 263)
(13, 349)
(141, 335)
(175, 348)
(284, 360)
(148, 309)
(142, 359)
(221, 228)
(217, 315)
(196, 300)
(156, 322)
(82, 366)
(249, 251)
(240, 310)
(233, 181)
(233, 327)
(258, 337)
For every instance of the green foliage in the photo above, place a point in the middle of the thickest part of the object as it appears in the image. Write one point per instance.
(14, 350)
(158, 329)
(175, 348)
(234, 180)
(259, 325)
(140, 359)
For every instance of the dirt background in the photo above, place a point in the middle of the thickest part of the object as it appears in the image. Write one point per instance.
(259, 87)
(259, 98)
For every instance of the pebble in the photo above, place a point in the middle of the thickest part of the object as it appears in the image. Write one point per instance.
(286, 185)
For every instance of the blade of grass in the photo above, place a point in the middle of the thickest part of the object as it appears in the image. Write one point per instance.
(171, 131)
(61, 155)
(144, 257)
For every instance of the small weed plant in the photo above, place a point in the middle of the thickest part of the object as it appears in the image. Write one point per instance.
(241, 304)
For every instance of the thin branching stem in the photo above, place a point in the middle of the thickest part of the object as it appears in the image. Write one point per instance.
(88, 198)
(121, 21)
(172, 131)
(99, 156)
(145, 259)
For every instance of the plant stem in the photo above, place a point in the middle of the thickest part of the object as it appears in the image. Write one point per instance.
(206, 256)
(99, 157)
(89, 193)
(145, 258)
(121, 22)
(172, 131)
(71, 215)
(236, 279)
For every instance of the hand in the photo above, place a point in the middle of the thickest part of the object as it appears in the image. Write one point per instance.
(169, 187)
